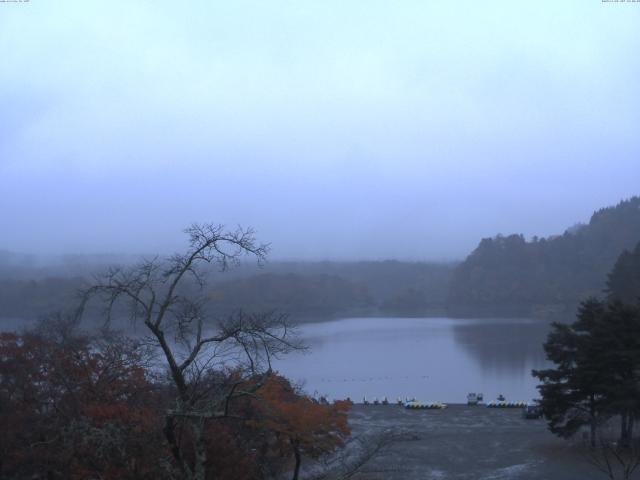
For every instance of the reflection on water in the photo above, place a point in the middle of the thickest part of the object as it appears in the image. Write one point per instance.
(427, 358)
(509, 346)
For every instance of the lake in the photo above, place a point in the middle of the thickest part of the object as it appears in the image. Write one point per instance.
(431, 359)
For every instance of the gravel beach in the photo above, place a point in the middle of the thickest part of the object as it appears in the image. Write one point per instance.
(470, 442)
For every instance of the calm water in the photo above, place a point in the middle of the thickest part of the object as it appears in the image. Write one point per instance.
(432, 359)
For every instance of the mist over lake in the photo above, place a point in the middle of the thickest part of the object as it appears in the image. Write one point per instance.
(286, 240)
(432, 359)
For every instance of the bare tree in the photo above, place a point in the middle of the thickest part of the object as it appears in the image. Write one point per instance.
(168, 297)
(614, 459)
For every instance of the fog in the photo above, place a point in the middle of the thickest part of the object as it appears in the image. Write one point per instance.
(337, 131)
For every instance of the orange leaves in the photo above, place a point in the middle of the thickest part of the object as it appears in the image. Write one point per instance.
(88, 409)
(314, 428)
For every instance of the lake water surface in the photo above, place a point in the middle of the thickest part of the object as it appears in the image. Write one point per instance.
(432, 359)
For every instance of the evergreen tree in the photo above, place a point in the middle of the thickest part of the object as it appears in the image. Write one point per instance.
(573, 392)
(618, 340)
(623, 284)
(597, 370)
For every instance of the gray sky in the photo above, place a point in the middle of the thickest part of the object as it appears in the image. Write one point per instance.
(359, 129)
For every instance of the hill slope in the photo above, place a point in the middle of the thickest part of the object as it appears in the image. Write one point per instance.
(509, 275)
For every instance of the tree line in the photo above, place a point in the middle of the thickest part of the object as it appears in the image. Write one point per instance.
(306, 290)
(503, 276)
(512, 276)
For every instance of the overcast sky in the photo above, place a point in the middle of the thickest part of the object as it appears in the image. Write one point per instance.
(338, 129)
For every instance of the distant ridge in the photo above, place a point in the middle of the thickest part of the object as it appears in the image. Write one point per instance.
(507, 275)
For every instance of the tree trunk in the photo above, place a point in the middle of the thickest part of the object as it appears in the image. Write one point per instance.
(296, 453)
(594, 421)
(199, 469)
(169, 433)
(624, 430)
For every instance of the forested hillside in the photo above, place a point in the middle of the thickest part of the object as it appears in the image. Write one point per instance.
(510, 275)
(623, 283)
(305, 290)
(318, 296)
(503, 276)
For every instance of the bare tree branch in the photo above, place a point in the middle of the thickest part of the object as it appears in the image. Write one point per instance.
(190, 341)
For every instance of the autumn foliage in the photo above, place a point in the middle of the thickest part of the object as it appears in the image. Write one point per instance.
(74, 409)
(295, 426)
(84, 408)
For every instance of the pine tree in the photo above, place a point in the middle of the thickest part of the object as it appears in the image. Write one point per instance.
(573, 392)
(597, 370)
(623, 283)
